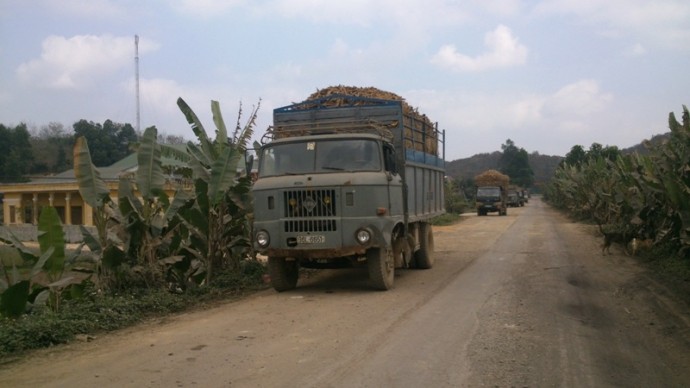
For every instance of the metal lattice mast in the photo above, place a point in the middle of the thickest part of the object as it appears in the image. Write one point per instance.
(136, 75)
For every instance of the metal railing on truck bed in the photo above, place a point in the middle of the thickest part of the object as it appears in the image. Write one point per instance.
(421, 140)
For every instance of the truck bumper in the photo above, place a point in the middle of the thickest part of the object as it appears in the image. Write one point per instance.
(324, 245)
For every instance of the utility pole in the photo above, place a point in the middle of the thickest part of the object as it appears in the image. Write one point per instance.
(136, 76)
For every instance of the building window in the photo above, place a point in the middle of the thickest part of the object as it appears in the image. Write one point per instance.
(77, 217)
(61, 213)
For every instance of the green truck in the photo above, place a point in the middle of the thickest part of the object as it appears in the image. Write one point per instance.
(492, 193)
(348, 181)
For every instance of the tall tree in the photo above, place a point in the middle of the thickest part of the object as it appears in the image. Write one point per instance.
(575, 157)
(16, 155)
(514, 162)
(108, 142)
(51, 144)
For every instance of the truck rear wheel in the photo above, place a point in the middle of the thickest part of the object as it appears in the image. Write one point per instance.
(283, 273)
(424, 257)
(381, 268)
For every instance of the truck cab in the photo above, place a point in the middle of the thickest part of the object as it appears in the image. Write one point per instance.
(314, 193)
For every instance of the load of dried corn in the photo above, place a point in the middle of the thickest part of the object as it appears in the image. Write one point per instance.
(420, 132)
(491, 178)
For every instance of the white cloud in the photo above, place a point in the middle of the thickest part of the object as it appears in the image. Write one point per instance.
(637, 50)
(663, 22)
(73, 63)
(547, 122)
(578, 100)
(504, 50)
(526, 111)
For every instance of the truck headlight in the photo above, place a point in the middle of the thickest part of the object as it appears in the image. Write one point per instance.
(363, 236)
(263, 239)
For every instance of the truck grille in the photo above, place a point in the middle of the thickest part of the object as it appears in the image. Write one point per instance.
(310, 210)
(310, 226)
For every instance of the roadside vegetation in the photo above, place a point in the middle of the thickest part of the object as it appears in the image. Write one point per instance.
(153, 253)
(641, 201)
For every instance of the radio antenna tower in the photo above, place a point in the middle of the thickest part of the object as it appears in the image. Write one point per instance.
(136, 76)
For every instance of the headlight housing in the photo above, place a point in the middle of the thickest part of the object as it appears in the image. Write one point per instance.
(262, 238)
(363, 236)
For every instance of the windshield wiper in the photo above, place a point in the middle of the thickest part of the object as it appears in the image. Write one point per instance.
(332, 168)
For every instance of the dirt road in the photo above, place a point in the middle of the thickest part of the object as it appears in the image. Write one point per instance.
(525, 300)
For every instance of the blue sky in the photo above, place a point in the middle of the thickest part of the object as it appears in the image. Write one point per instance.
(546, 74)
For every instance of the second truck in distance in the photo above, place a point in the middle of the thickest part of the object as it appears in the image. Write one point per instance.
(492, 193)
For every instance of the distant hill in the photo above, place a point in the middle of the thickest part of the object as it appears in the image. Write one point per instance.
(643, 149)
(543, 166)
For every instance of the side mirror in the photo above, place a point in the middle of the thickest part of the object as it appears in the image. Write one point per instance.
(389, 160)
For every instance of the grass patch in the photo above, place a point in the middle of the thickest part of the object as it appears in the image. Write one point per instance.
(98, 312)
(445, 219)
(670, 270)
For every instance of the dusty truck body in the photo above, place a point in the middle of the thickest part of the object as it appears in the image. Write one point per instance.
(347, 185)
(492, 193)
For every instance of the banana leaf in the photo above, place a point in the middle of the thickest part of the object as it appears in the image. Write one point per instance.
(221, 130)
(150, 178)
(90, 240)
(197, 128)
(7, 237)
(223, 175)
(91, 187)
(51, 235)
(199, 162)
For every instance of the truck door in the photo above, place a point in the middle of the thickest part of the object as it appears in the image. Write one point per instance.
(396, 187)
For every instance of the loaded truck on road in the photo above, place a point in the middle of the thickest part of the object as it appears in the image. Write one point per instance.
(492, 193)
(515, 198)
(347, 180)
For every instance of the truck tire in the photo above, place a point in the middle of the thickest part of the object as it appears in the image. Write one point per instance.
(381, 268)
(283, 273)
(402, 252)
(424, 257)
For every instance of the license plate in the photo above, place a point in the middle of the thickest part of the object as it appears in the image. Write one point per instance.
(311, 239)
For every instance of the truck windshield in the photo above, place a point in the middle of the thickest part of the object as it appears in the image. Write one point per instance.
(488, 192)
(320, 156)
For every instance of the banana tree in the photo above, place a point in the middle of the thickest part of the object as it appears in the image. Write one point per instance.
(19, 294)
(218, 221)
(141, 230)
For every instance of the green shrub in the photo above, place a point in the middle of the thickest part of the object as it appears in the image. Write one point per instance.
(446, 219)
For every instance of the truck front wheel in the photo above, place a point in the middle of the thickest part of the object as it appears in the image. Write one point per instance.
(381, 268)
(283, 273)
(424, 257)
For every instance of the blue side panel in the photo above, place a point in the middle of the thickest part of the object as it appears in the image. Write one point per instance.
(424, 158)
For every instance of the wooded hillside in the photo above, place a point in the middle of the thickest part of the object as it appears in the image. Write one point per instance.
(543, 166)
